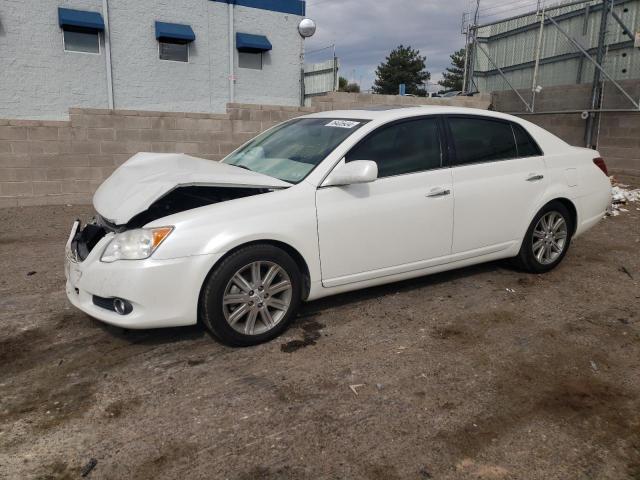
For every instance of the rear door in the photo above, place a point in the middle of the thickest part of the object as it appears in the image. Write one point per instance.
(498, 177)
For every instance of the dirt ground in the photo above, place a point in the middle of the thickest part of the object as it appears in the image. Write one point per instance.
(481, 373)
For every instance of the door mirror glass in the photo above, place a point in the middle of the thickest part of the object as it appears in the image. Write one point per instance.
(358, 171)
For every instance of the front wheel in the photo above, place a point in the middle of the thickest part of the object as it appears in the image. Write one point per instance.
(252, 296)
(547, 239)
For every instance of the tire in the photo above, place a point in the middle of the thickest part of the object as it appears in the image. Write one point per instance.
(530, 258)
(269, 304)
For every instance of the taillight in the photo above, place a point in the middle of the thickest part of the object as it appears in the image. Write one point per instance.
(601, 165)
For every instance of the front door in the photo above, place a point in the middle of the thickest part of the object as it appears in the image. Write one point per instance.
(397, 222)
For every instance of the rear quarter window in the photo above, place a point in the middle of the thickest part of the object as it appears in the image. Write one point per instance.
(526, 145)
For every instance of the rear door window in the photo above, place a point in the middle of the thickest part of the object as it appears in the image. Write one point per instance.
(478, 140)
(405, 147)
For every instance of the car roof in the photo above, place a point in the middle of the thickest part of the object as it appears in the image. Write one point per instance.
(547, 141)
(390, 113)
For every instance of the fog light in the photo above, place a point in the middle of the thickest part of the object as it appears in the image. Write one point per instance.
(121, 306)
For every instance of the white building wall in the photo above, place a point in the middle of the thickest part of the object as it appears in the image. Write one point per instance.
(141, 81)
(39, 80)
(279, 80)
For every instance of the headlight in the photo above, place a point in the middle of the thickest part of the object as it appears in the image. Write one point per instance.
(135, 244)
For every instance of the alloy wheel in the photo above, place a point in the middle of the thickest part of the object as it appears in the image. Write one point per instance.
(257, 297)
(549, 237)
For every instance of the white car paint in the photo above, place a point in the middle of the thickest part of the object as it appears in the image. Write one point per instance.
(349, 237)
(145, 177)
(416, 228)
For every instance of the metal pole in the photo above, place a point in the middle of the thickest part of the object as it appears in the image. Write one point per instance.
(302, 87)
(596, 87)
(590, 58)
(473, 31)
(504, 77)
(466, 60)
(107, 56)
(232, 44)
(335, 70)
(564, 112)
(534, 83)
(472, 56)
(302, 60)
(625, 30)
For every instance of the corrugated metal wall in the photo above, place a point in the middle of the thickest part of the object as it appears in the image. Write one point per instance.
(320, 78)
(512, 45)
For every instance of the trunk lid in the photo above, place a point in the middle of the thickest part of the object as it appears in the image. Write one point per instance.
(146, 177)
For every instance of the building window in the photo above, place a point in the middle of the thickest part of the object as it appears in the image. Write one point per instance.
(176, 52)
(250, 60)
(84, 42)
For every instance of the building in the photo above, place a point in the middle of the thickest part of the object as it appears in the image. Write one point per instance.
(165, 55)
(512, 44)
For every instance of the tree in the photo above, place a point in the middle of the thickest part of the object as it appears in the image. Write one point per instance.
(453, 76)
(345, 86)
(403, 65)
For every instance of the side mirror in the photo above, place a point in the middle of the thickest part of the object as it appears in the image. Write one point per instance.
(358, 171)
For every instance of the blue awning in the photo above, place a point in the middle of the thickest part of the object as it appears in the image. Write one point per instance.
(245, 42)
(80, 20)
(174, 32)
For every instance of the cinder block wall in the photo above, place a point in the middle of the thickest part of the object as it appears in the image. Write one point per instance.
(59, 162)
(618, 133)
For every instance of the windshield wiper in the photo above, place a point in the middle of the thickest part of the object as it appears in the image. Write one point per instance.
(243, 166)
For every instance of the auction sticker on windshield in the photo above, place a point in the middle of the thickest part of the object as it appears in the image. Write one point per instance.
(342, 124)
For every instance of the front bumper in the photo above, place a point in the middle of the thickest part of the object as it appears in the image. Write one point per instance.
(163, 293)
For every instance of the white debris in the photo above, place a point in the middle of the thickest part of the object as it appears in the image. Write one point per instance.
(621, 194)
(354, 388)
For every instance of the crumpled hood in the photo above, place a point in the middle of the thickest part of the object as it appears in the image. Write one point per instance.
(146, 177)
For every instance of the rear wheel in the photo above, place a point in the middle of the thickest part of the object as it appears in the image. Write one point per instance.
(252, 296)
(547, 239)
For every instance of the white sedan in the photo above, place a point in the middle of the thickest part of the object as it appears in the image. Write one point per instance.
(324, 204)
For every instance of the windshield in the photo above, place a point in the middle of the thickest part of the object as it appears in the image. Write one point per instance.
(292, 150)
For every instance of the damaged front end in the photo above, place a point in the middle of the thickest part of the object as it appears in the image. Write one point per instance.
(179, 200)
(150, 186)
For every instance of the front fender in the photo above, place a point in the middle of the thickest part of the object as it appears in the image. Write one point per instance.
(286, 216)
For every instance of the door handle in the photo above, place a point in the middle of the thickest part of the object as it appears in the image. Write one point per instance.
(533, 177)
(438, 192)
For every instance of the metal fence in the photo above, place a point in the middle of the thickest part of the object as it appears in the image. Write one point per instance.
(545, 44)
(584, 41)
(320, 78)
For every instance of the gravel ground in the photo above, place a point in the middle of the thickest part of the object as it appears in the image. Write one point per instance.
(484, 372)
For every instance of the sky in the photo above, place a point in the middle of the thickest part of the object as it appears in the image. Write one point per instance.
(365, 31)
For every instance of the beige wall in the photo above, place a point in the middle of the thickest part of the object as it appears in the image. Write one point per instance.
(58, 162)
(619, 132)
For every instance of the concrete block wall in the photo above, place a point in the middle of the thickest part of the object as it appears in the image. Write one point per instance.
(59, 162)
(619, 142)
(618, 136)
(346, 101)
